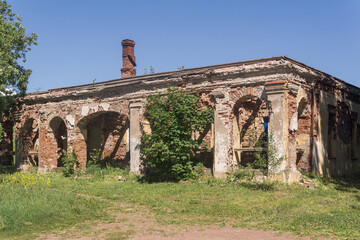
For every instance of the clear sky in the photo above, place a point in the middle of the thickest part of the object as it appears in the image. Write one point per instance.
(80, 40)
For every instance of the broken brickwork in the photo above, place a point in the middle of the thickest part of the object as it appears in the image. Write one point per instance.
(251, 98)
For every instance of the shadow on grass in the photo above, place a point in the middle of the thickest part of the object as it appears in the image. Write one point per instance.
(7, 170)
(349, 183)
(266, 186)
(154, 178)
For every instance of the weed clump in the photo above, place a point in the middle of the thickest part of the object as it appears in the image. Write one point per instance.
(72, 166)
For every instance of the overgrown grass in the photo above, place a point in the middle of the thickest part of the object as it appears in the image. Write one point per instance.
(329, 210)
(30, 206)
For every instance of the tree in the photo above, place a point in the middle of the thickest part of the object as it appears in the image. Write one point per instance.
(169, 149)
(14, 44)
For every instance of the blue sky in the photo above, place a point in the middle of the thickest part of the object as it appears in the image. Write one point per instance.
(80, 40)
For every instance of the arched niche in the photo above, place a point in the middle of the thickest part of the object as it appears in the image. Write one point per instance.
(59, 131)
(29, 143)
(303, 108)
(301, 122)
(250, 128)
(106, 135)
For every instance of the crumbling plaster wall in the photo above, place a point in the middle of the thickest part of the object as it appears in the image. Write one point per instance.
(300, 127)
(284, 88)
(342, 162)
(26, 139)
(71, 112)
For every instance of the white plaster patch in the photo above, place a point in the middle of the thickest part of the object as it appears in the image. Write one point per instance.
(95, 108)
(293, 123)
(70, 120)
(105, 106)
(300, 95)
(85, 110)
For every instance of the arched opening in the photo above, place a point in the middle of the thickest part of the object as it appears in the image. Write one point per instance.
(30, 143)
(303, 109)
(303, 131)
(59, 130)
(250, 129)
(106, 138)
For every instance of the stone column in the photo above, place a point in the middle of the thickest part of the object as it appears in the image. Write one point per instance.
(293, 175)
(76, 139)
(222, 137)
(135, 136)
(278, 124)
(47, 149)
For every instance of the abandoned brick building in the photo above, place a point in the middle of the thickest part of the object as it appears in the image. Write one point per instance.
(314, 117)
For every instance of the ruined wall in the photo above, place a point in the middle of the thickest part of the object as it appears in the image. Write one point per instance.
(250, 115)
(75, 115)
(300, 128)
(27, 140)
(248, 101)
(110, 116)
(336, 148)
(206, 154)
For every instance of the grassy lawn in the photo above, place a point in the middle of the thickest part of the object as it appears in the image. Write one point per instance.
(328, 210)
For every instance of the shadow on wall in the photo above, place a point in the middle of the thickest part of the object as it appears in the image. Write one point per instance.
(106, 136)
(29, 148)
(59, 130)
(250, 128)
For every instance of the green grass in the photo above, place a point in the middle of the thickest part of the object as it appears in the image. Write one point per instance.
(24, 212)
(330, 210)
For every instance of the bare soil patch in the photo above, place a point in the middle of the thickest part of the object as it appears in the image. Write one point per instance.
(138, 223)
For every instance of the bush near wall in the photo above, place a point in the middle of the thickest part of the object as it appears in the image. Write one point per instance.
(169, 149)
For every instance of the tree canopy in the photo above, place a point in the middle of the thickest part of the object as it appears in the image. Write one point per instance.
(14, 44)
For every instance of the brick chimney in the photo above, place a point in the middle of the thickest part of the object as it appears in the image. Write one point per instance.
(129, 63)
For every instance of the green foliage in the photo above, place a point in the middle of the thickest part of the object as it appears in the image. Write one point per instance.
(99, 173)
(237, 176)
(314, 176)
(266, 161)
(71, 163)
(151, 70)
(1, 132)
(14, 44)
(174, 118)
(95, 157)
(273, 159)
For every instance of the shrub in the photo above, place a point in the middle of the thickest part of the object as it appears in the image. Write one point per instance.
(266, 161)
(169, 149)
(71, 163)
(95, 157)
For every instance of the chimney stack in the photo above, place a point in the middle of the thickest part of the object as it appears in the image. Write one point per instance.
(129, 63)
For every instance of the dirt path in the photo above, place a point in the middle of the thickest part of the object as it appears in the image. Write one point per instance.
(127, 222)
